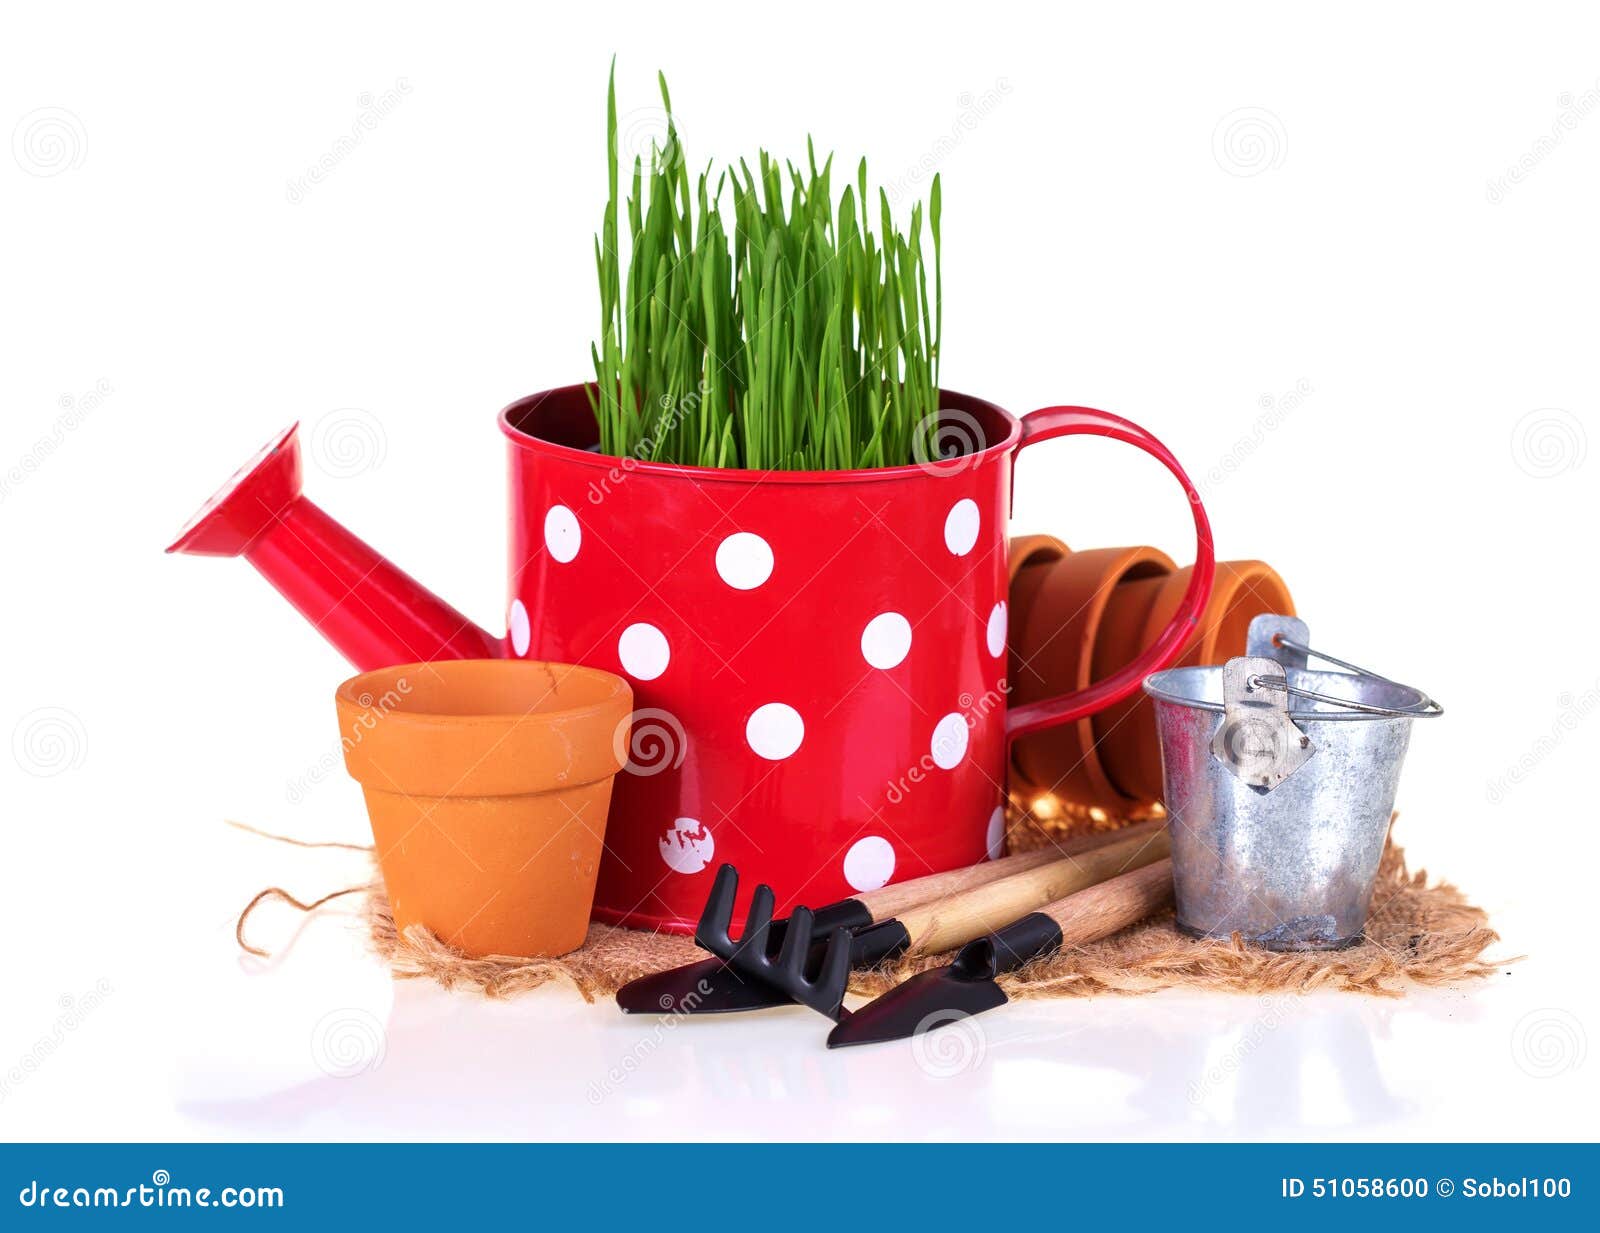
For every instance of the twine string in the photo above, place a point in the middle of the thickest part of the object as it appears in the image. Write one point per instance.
(283, 896)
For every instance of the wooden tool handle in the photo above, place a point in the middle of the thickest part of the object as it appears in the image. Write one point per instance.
(1102, 910)
(896, 900)
(1087, 916)
(958, 919)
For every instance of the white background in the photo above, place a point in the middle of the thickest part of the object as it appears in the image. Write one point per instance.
(169, 304)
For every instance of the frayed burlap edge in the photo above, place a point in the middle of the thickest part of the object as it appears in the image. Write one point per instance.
(1418, 933)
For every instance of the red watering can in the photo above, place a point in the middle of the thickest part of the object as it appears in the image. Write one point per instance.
(818, 658)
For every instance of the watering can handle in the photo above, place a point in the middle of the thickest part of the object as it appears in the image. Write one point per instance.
(1051, 422)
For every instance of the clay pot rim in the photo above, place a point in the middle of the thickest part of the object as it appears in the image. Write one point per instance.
(1112, 564)
(1232, 579)
(1119, 562)
(1046, 550)
(516, 415)
(348, 694)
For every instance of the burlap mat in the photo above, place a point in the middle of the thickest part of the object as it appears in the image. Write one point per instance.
(1419, 932)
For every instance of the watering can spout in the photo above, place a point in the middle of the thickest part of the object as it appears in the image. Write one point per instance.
(374, 613)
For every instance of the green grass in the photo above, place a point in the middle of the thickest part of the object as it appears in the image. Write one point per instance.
(760, 323)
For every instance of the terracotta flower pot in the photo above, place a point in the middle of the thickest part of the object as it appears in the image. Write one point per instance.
(1053, 652)
(1121, 638)
(1028, 560)
(1125, 734)
(487, 783)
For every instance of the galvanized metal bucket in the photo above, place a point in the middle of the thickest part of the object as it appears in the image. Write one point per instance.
(1280, 782)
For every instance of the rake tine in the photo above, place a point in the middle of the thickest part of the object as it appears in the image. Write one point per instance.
(712, 932)
(796, 942)
(753, 942)
(834, 978)
(780, 959)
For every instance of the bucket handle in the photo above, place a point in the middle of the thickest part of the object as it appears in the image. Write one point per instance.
(1050, 422)
(1426, 709)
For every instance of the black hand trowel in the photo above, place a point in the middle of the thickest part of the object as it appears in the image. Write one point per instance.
(716, 986)
(968, 986)
(939, 925)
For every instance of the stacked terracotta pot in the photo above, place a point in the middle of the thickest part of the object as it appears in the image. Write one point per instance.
(1075, 618)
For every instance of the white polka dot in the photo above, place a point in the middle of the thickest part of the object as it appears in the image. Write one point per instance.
(520, 631)
(869, 863)
(562, 535)
(996, 838)
(949, 744)
(775, 731)
(995, 635)
(688, 846)
(886, 640)
(744, 561)
(644, 652)
(961, 526)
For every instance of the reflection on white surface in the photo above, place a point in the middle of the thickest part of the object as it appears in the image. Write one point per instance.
(1175, 1065)
(321, 1043)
